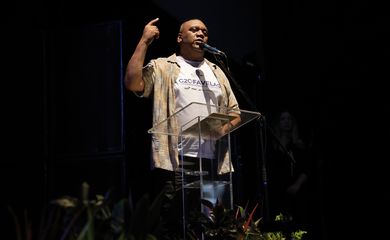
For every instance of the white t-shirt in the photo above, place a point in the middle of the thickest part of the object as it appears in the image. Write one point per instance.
(196, 83)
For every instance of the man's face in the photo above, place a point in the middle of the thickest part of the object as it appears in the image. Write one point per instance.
(192, 33)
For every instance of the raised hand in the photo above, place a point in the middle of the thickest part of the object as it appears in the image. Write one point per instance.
(151, 32)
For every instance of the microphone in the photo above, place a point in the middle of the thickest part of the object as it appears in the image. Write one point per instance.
(210, 49)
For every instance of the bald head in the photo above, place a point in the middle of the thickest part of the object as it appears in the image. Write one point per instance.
(192, 22)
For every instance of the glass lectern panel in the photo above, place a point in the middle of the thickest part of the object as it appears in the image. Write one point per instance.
(203, 176)
(165, 126)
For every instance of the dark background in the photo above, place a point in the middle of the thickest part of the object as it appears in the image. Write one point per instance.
(66, 117)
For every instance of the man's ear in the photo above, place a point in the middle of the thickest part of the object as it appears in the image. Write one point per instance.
(179, 38)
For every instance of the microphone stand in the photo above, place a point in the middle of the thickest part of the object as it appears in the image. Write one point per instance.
(261, 121)
(263, 127)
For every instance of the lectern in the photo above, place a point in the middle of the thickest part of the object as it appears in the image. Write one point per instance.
(211, 126)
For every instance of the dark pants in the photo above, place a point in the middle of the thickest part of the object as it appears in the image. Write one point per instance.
(186, 199)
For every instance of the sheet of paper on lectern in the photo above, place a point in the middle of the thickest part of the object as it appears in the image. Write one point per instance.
(210, 125)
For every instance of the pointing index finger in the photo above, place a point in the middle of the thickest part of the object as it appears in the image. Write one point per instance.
(153, 21)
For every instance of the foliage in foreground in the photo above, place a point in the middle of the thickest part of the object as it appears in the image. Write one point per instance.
(70, 218)
(222, 223)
